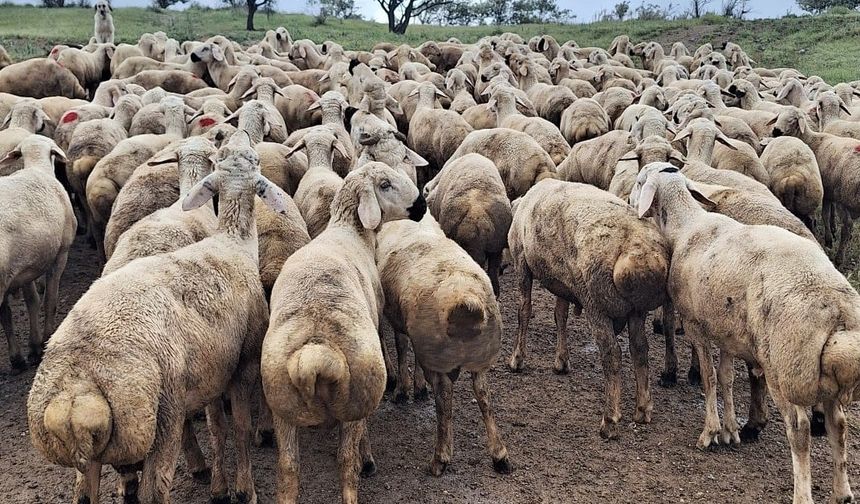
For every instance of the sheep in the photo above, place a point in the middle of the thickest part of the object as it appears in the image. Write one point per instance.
(750, 99)
(521, 161)
(436, 133)
(39, 226)
(280, 236)
(113, 170)
(149, 189)
(828, 107)
(591, 161)
(789, 315)
(318, 186)
(614, 101)
(5, 60)
(550, 101)
(480, 116)
(457, 85)
(279, 39)
(260, 121)
(469, 201)
(795, 177)
(465, 337)
(504, 104)
(171, 228)
(384, 144)
(40, 78)
(265, 91)
(322, 360)
(584, 119)
(104, 29)
(25, 118)
(144, 421)
(838, 162)
(588, 248)
(213, 112)
(90, 68)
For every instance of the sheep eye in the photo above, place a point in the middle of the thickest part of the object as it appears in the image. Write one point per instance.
(385, 185)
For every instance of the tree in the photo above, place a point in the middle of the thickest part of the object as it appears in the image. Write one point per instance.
(496, 12)
(737, 9)
(697, 7)
(401, 12)
(655, 12)
(342, 9)
(537, 12)
(819, 6)
(251, 7)
(621, 9)
(458, 13)
(163, 4)
(50, 4)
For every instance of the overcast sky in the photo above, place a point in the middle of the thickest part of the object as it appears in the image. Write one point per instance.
(585, 10)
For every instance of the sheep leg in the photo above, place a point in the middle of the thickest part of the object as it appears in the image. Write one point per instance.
(401, 343)
(758, 406)
(494, 263)
(799, 440)
(443, 393)
(711, 431)
(390, 376)
(419, 386)
(562, 356)
(288, 461)
(349, 461)
(817, 427)
(498, 452)
(265, 435)
(34, 305)
(194, 458)
(240, 402)
(836, 434)
(52, 288)
(610, 356)
(368, 465)
(669, 377)
(18, 363)
(726, 377)
(639, 356)
(518, 357)
(216, 420)
(694, 375)
(160, 464)
(87, 485)
(845, 235)
(827, 216)
(127, 486)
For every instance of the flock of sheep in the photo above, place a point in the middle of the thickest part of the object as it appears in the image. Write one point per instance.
(624, 181)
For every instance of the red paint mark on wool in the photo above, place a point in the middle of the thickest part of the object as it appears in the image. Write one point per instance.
(206, 122)
(69, 117)
(857, 148)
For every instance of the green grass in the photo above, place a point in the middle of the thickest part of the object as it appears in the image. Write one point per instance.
(826, 45)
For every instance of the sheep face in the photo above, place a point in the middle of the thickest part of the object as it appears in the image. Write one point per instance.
(386, 195)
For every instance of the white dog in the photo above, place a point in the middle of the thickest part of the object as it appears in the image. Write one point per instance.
(104, 22)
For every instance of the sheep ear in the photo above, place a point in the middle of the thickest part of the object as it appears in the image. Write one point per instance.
(725, 141)
(843, 107)
(369, 212)
(273, 196)
(249, 93)
(440, 94)
(772, 121)
(233, 118)
(629, 158)
(338, 145)
(699, 196)
(415, 159)
(685, 133)
(171, 157)
(412, 93)
(59, 154)
(524, 70)
(202, 192)
(6, 120)
(295, 148)
(677, 157)
(646, 199)
(325, 78)
(314, 106)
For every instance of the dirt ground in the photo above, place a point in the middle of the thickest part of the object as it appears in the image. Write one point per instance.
(549, 422)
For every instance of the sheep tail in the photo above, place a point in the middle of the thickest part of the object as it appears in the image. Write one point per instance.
(640, 277)
(315, 365)
(80, 418)
(792, 190)
(82, 168)
(840, 362)
(466, 315)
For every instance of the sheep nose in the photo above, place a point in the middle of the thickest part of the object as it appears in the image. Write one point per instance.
(419, 206)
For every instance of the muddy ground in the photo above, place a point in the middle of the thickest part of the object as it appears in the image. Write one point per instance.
(549, 422)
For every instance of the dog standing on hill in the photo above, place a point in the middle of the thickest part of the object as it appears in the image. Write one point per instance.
(104, 23)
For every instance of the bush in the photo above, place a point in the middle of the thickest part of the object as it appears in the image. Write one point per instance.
(320, 18)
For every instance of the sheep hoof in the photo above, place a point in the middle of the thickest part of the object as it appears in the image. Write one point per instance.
(516, 363)
(421, 394)
(561, 367)
(221, 499)
(437, 467)
(657, 326)
(694, 377)
(816, 424)
(18, 364)
(708, 441)
(608, 430)
(368, 469)
(847, 499)
(668, 379)
(749, 433)
(730, 438)
(264, 439)
(503, 466)
(401, 397)
(84, 500)
(203, 476)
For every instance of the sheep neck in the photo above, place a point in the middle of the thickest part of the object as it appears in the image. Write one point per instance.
(124, 117)
(528, 80)
(700, 147)
(174, 122)
(253, 125)
(319, 156)
(192, 169)
(266, 94)
(344, 211)
(331, 113)
(505, 108)
(675, 208)
(236, 217)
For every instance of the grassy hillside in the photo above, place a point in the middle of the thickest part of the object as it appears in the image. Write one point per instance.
(826, 45)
